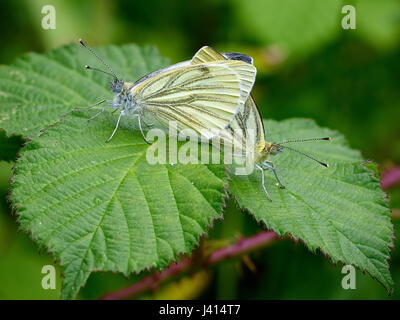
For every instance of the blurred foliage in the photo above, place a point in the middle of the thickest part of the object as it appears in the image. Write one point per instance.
(20, 263)
(308, 67)
(268, 22)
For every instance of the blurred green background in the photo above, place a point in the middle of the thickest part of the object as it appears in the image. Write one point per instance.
(308, 66)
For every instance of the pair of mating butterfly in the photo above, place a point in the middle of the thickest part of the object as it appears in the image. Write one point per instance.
(209, 94)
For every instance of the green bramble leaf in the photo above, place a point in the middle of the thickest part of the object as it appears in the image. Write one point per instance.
(102, 206)
(97, 206)
(340, 210)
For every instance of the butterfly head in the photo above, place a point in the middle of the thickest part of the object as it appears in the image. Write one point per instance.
(274, 148)
(270, 149)
(116, 85)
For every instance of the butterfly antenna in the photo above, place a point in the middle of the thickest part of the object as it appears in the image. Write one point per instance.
(100, 59)
(95, 69)
(306, 155)
(305, 140)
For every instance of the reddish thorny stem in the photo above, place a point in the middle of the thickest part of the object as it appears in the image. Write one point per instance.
(390, 179)
(242, 246)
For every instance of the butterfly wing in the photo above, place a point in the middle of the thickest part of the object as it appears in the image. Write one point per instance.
(238, 56)
(207, 54)
(204, 97)
(248, 120)
(247, 130)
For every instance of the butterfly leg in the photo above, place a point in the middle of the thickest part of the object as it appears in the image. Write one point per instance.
(97, 114)
(270, 165)
(101, 111)
(116, 127)
(93, 105)
(141, 130)
(263, 182)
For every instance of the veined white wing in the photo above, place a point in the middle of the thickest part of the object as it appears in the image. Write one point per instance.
(248, 120)
(204, 97)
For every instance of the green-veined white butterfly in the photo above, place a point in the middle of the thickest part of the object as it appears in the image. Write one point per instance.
(247, 122)
(204, 97)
